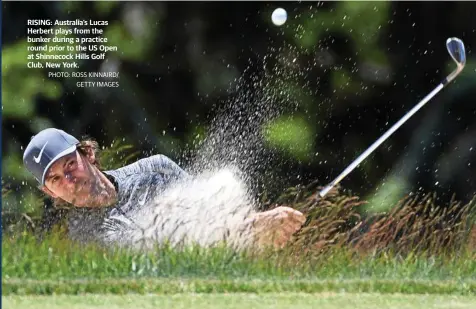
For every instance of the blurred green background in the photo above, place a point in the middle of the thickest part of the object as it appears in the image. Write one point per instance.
(340, 73)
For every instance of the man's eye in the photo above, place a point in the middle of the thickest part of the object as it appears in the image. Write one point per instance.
(55, 179)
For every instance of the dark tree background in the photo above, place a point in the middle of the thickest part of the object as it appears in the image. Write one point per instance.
(352, 68)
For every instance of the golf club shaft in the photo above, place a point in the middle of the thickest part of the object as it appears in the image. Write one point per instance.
(377, 143)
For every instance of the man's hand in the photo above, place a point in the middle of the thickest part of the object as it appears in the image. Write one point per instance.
(275, 227)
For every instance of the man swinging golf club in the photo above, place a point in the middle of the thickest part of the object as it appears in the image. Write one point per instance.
(68, 171)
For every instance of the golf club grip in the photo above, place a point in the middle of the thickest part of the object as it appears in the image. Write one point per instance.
(377, 143)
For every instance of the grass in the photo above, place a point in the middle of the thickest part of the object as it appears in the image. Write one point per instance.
(56, 258)
(55, 266)
(418, 224)
(419, 247)
(242, 285)
(242, 300)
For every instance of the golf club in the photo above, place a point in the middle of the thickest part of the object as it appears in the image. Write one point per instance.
(457, 51)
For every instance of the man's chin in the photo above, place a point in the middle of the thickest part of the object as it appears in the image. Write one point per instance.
(86, 202)
(101, 200)
(80, 204)
(106, 200)
(95, 197)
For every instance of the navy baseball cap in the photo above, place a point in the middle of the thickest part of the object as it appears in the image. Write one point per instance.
(45, 148)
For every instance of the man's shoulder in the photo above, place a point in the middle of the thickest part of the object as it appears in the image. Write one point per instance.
(154, 163)
(142, 180)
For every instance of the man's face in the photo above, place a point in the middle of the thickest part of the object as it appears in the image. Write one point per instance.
(73, 179)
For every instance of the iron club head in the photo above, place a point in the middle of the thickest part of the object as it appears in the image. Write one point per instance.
(456, 49)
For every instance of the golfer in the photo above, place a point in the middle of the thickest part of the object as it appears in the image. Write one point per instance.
(69, 172)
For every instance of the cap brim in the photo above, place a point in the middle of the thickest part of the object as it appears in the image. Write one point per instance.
(58, 156)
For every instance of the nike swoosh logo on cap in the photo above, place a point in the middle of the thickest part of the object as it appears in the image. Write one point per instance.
(38, 159)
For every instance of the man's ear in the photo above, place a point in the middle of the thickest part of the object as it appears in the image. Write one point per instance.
(90, 154)
(47, 191)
